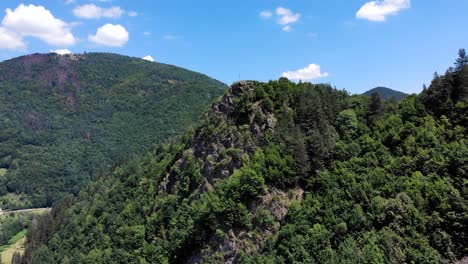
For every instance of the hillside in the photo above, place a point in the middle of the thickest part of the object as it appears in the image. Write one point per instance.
(281, 172)
(64, 119)
(387, 93)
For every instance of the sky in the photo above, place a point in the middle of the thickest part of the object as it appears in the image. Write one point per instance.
(352, 44)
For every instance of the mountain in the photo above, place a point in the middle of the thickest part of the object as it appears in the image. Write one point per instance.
(387, 93)
(280, 172)
(64, 119)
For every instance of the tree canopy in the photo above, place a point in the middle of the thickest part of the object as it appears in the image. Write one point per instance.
(281, 172)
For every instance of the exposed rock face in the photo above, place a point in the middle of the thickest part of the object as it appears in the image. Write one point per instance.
(221, 154)
(462, 261)
(220, 147)
(275, 202)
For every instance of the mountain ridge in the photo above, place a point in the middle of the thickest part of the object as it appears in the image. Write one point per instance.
(64, 118)
(387, 93)
(278, 172)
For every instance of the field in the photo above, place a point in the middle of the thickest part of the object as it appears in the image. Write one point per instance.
(16, 243)
(13, 228)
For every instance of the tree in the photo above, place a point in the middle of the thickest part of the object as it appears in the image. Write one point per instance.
(462, 60)
(375, 108)
(347, 124)
(460, 92)
(17, 258)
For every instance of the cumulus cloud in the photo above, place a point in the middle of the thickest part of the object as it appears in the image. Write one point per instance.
(110, 35)
(308, 73)
(61, 51)
(380, 9)
(92, 11)
(36, 21)
(285, 17)
(266, 14)
(10, 40)
(148, 58)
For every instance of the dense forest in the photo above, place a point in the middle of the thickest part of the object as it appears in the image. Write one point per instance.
(280, 172)
(66, 118)
(387, 93)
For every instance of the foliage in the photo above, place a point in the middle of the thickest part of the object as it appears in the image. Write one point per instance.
(387, 94)
(64, 119)
(280, 172)
(11, 225)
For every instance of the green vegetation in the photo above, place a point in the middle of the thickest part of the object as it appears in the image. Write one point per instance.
(64, 119)
(14, 248)
(387, 93)
(13, 254)
(281, 172)
(13, 226)
(13, 240)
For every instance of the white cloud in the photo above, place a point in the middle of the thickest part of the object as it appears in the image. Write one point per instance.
(91, 11)
(172, 37)
(287, 28)
(61, 51)
(308, 73)
(378, 10)
(146, 33)
(266, 14)
(110, 35)
(68, 2)
(286, 16)
(132, 13)
(148, 58)
(10, 40)
(36, 21)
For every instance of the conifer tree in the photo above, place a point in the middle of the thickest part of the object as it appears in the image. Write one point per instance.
(462, 60)
(375, 108)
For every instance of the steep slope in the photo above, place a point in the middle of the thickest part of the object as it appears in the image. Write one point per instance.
(278, 173)
(387, 93)
(198, 197)
(65, 118)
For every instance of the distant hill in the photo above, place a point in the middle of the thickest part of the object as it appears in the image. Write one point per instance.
(65, 118)
(387, 93)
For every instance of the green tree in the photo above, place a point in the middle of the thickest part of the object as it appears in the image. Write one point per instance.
(461, 61)
(347, 124)
(375, 108)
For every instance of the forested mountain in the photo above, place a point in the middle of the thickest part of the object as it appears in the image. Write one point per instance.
(281, 172)
(387, 93)
(63, 119)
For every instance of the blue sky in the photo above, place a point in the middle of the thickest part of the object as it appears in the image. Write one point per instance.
(352, 44)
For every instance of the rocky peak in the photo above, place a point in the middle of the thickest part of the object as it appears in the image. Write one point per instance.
(221, 144)
(237, 89)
